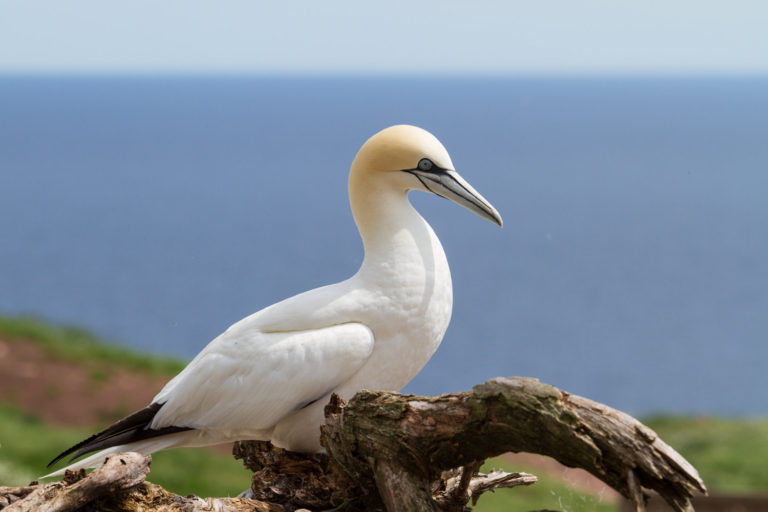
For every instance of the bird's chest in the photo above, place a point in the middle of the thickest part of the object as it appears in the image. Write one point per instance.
(408, 313)
(414, 303)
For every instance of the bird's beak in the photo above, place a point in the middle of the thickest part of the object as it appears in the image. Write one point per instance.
(449, 184)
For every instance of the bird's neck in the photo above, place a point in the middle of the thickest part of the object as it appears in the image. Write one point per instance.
(397, 240)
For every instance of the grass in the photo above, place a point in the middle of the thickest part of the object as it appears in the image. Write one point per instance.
(78, 345)
(730, 455)
(547, 494)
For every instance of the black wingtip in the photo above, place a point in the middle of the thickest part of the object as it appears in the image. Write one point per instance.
(129, 429)
(71, 450)
(80, 445)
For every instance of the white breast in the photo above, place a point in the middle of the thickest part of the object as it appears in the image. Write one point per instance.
(406, 301)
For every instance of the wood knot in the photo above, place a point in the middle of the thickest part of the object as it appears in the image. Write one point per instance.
(72, 476)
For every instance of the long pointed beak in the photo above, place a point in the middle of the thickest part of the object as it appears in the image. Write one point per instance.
(450, 185)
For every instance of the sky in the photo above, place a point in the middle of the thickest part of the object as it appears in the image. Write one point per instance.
(384, 37)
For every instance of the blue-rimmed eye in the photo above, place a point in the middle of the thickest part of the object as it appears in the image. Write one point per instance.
(425, 164)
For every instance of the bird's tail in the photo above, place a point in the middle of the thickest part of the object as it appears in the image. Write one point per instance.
(131, 433)
(145, 447)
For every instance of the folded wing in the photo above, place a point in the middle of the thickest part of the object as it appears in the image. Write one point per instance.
(254, 379)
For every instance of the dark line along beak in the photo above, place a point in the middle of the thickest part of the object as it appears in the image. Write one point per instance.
(450, 185)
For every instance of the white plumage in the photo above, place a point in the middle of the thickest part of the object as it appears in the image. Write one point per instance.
(269, 375)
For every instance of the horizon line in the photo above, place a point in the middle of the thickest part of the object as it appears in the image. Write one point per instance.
(308, 74)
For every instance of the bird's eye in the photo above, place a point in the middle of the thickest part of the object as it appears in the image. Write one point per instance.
(425, 164)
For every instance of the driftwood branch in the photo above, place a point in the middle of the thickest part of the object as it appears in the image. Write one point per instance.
(119, 473)
(380, 433)
(117, 486)
(388, 451)
(469, 484)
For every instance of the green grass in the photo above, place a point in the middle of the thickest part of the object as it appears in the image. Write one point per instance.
(548, 493)
(27, 445)
(78, 345)
(730, 455)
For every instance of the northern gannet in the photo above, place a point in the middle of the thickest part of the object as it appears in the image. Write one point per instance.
(269, 376)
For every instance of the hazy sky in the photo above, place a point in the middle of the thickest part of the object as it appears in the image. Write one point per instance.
(357, 36)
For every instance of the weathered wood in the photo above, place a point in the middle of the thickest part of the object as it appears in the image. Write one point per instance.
(150, 497)
(119, 473)
(419, 437)
(118, 486)
(468, 485)
(315, 482)
(292, 480)
(498, 480)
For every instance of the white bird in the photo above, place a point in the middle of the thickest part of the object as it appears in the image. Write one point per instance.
(269, 376)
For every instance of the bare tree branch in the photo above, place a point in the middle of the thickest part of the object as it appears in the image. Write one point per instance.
(121, 472)
(422, 436)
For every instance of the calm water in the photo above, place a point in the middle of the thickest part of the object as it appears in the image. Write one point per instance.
(633, 266)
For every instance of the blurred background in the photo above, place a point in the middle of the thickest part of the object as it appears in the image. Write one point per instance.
(169, 168)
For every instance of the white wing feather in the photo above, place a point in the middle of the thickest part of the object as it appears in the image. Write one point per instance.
(251, 380)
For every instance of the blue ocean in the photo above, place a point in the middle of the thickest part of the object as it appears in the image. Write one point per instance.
(632, 267)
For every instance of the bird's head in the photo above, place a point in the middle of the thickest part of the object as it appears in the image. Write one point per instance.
(410, 158)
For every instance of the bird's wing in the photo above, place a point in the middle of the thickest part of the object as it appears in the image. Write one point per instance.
(251, 380)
